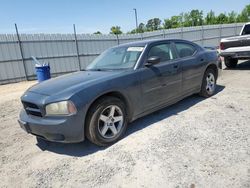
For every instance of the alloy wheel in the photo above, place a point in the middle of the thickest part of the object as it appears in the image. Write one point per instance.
(110, 121)
(210, 87)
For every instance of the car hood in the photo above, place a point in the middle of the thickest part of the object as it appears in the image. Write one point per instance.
(72, 81)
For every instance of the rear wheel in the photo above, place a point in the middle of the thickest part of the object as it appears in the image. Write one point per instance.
(106, 121)
(209, 83)
(230, 63)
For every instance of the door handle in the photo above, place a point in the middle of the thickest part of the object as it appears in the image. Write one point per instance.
(175, 66)
(201, 59)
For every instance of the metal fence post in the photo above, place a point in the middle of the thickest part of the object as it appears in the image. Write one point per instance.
(118, 42)
(202, 35)
(21, 52)
(235, 28)
(77, 49)
(141, 36)
(181, 32)
(220, 32)
(163, 33)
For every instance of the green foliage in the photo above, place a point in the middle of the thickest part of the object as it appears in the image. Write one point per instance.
(141, 29)
(153, 24)
(175, 21)
(167, 24)
(232, 17)
(194, 18)
(115, 30)
(244, 16)
(222, 18)
(97, 33)
(210, 18)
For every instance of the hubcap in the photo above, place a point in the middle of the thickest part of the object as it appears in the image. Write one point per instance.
(110, 121)
(210, 83)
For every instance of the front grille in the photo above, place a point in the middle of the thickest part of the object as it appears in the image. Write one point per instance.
(32, 109)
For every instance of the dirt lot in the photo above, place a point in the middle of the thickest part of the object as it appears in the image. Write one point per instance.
(195, 143)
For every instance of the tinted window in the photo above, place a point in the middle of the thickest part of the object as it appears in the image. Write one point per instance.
(246, 30)
(163, 51)
(185, 49)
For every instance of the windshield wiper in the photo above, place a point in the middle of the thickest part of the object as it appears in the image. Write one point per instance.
(95, 69)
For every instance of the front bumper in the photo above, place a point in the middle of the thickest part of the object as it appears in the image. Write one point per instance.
(68, 129)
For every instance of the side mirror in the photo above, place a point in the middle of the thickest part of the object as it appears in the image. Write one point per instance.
(153, 60)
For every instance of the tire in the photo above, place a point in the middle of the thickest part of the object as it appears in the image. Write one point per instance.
(230, 63)
(106, 122)
(208, 83)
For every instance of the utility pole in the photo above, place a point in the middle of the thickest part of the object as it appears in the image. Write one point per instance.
(77, 48)
(21, 52)
(136, 20)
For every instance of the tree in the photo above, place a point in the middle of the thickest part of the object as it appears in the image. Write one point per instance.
(97, 33)
(210, 19)
(244, 16)
(153, 24)
(232, 16)
(176, 21)
(141, 28)
(167, 24)
(187, 22)
(222, 18)
(196, 17)
(115, 30)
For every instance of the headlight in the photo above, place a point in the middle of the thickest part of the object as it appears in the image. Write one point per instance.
(60, 108)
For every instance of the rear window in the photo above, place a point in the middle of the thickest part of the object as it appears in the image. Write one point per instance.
(246, 30)
(185, 49)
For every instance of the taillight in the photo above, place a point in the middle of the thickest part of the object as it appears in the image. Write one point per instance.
(222, 47)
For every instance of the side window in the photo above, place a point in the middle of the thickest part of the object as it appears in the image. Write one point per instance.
(246, 30)
(163, 51)
(185, 49)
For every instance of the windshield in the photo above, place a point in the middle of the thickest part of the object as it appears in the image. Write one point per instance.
(117, 58)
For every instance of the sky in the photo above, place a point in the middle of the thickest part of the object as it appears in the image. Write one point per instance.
(58, 16)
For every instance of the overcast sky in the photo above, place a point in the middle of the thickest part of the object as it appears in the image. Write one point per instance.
(57, 16)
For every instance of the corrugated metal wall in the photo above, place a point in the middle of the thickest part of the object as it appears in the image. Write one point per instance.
(60, 50)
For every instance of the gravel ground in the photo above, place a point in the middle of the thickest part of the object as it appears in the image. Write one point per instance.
(195, 143)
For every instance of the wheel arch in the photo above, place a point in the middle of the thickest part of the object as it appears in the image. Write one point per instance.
(116, 94)
(214, 67)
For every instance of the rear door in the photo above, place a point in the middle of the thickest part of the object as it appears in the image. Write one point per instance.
(161, 82)
(192, 63)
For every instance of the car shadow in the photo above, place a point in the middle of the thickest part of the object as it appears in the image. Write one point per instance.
(87, 148)
(245, 65)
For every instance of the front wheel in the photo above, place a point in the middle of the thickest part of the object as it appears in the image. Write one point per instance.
(208, 83)
(106, 121)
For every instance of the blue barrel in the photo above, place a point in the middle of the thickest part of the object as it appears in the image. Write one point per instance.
(43, 73)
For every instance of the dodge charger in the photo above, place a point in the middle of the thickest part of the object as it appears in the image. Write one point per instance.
(122, 84)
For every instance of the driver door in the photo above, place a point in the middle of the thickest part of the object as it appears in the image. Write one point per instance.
(161, 82)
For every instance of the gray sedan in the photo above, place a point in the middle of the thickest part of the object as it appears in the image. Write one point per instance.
(122, 84)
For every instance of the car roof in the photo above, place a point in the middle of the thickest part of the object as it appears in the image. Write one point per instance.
(151, 41)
